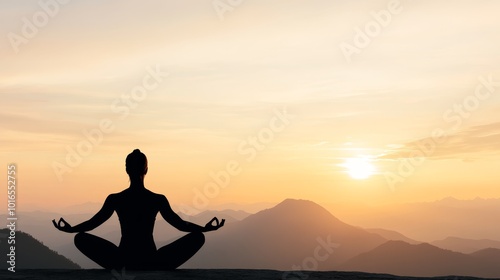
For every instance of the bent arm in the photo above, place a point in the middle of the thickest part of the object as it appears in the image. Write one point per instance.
(99, 218)
(172, 218)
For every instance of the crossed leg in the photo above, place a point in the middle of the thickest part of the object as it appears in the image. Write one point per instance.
(173, 255)
(100, 250)
(168, 257)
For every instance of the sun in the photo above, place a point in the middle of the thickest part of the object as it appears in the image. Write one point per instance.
(359, 168)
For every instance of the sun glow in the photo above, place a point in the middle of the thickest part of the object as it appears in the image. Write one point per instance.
(359, 168)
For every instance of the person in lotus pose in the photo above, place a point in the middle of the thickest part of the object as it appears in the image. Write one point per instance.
(137, 208)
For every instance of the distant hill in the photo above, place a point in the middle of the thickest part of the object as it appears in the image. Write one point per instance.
(284, 236)
(464, 245)
(32, 254)
(249, 208)
(392, 235)
(488, 255)
(429, 221)
(423, 260)
(205, 216)
(88, 207)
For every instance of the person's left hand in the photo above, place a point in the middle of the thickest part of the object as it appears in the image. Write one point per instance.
(62, 225)
(210, 226)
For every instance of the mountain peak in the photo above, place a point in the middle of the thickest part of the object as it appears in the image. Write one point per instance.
(293, 201)
(301, 209)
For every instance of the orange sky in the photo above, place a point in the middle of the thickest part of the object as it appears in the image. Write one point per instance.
(264, 92)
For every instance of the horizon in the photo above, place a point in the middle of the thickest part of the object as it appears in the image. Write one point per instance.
(375, 217)
(255, 205)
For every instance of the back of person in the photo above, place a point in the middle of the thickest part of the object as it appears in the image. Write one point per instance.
(137, 210)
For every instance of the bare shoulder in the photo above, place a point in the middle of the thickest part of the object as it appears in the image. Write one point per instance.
(159, 198)
(111, 198)
(158, 195)
(162, 198)
(116, 197)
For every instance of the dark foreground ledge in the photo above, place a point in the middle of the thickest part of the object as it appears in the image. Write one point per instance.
(188, 274)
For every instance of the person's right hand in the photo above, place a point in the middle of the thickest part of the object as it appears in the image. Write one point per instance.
(210, 226)
(62, 225)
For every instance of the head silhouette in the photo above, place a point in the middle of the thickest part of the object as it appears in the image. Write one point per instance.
(136, 164)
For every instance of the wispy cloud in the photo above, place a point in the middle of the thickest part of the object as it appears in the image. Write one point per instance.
(470, 143)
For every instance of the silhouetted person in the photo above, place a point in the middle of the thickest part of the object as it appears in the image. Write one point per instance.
(137, 208)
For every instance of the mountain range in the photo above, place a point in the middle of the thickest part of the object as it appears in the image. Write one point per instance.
(393, 235)
(298, 235)
(31, 253)
(428, 221)
(288, 236)
(425, 260)
(465, 245)
(283, 237)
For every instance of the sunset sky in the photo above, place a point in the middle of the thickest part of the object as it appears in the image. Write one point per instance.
(219, 76)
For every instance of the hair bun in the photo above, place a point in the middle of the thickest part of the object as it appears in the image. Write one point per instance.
(137, 151)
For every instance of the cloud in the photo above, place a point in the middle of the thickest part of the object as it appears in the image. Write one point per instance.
(473, 142)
